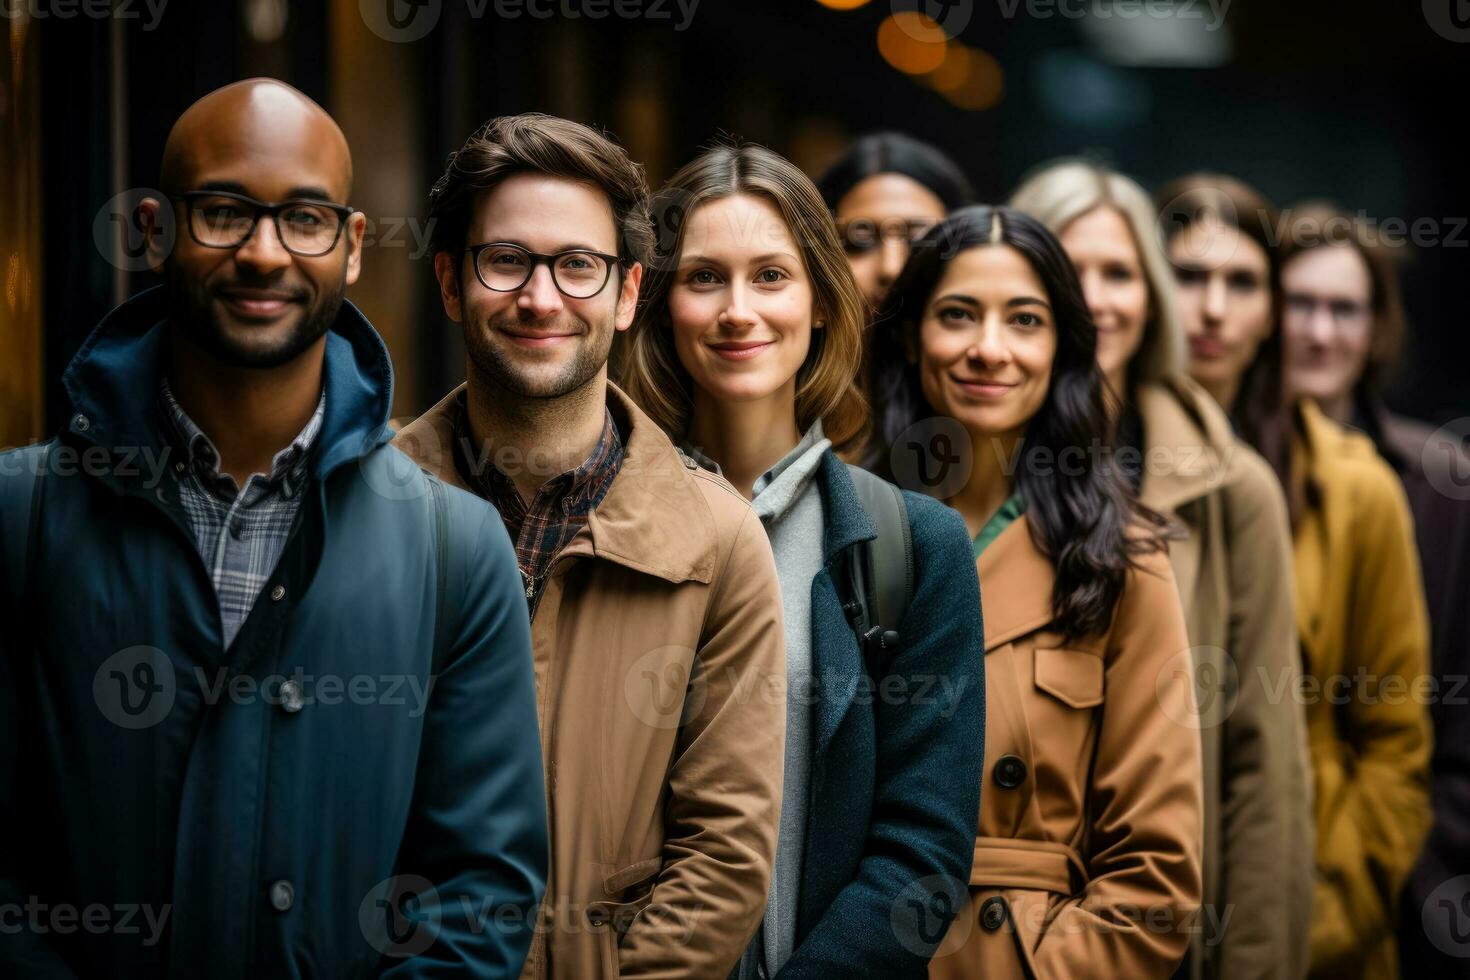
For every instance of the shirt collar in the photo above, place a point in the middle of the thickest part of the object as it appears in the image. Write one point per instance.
(576, 485)
(288, 466)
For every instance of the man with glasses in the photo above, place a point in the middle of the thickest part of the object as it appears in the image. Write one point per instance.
(656, 613)
(267, 696)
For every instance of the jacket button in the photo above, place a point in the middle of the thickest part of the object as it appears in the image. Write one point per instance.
(762, 972)
(278, 593)
(283, 896)
(1010, 771)
(993, 913)
(81, 423)
(291, 697)
(597, 917)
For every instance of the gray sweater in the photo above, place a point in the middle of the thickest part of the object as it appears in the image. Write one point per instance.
(789, 504)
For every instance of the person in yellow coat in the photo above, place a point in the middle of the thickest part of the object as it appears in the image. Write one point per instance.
(1232, 558)
(1087, 853)
(1360, 603)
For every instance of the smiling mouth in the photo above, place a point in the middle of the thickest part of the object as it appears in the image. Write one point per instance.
(1206, 347)
(981, 389)
(742, 350)
(261, 305)
(538, 339)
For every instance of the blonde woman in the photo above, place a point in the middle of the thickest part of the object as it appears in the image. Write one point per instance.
(1232, 560)
(745, 350)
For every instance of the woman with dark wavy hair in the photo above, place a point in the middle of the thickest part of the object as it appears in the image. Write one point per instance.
(1090, 816)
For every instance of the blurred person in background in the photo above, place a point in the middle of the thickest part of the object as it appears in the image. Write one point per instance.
(746, 350)
(884, 191)
(1232, 563)
(1087, 859)
(1343, 322)
(1360, 603)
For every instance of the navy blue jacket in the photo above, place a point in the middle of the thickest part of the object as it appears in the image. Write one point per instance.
(357, 777)
(896, 764)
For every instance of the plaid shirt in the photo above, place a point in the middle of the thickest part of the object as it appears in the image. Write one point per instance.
(240, 533)
(560, 508)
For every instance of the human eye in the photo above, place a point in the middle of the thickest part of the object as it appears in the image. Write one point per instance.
(771, 276)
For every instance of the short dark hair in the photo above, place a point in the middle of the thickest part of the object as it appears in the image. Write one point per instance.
(896, 153)
(534, 142)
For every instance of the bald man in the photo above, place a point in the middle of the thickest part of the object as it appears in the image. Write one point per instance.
(266, 694)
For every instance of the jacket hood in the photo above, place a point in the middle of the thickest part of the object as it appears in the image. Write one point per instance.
(113, 380)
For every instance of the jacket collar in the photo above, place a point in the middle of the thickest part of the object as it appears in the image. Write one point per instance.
(654, 518)
(845, 521)
(1016, 582)
(1192, 440)
(113, 383)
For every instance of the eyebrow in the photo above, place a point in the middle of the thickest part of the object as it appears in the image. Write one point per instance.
(564, 247)
(693, 259)
(306, 192)
(972, 301)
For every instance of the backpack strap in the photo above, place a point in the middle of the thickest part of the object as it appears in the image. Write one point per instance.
(20, 508)
(881, 574)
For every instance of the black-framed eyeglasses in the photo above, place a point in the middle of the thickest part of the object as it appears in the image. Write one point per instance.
(576, 273)
(220, 219)
(864, 234)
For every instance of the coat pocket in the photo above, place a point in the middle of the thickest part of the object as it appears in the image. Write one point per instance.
(612, 919)
(1073, 677)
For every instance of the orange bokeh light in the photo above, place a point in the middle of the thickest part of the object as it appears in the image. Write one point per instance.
(844, 4)
(912, 42)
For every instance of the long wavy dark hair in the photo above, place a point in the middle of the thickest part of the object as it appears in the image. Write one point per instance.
(1086, 520)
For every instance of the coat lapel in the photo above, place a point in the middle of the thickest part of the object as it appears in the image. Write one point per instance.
(837, 661)
(1016, 582)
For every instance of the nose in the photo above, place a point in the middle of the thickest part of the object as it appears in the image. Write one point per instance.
(989, 348)
(539, 296)
(1213, 307)
(895, 254)
(263, 251)
(1320, 328)
(1092, 291)
(738, 314)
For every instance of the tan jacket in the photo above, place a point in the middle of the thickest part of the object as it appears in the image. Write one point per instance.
(1087, 862)
(1365, 642)
(663, 789)
(1233, 568)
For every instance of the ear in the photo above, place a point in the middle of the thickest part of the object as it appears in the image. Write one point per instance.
(447, 272)
(153, 215)
(356, 227)
(628, 296)
(819, 319)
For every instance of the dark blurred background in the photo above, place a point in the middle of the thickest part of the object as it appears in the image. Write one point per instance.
(1357, 101)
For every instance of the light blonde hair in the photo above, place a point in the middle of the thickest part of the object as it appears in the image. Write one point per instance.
(827, 382)
(1060, 192)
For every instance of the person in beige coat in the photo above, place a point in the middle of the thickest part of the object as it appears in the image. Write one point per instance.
(1360, 609)
(656, 621)
(1087, 856)
(1231, 553)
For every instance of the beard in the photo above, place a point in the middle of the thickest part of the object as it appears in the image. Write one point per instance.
(497, 362)
(191, 309)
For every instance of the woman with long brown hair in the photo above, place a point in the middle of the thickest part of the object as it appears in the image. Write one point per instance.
(745, 350)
